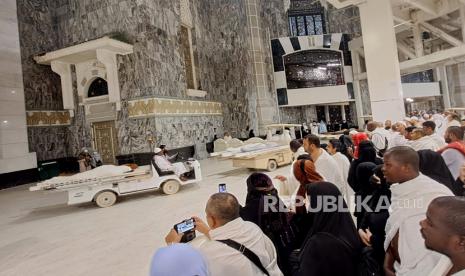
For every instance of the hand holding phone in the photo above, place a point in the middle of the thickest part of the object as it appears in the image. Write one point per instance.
(187, 228)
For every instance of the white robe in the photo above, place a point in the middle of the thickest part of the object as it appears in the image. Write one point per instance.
(327, 167)
(424, 143)
(226, 261)
(443, 268)
(397, 140)
(344, 166)
(438, 140)
(410, 201)
(165, 165)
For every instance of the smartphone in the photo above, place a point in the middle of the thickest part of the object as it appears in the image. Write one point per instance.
(185, 226)
(222, 188)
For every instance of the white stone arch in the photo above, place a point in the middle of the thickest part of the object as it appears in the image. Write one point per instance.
(86, 73)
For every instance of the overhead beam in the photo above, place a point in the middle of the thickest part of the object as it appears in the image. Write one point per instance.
(340, 5)
(431, 61)
(440, 33)
(462, 19)
(427, 6)
(405, 49)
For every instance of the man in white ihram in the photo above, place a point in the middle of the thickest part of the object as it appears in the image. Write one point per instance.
(224, 223)
(164, 165)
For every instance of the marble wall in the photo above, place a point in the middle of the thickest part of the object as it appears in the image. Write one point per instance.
(292, 115)
(346, 21)
(156, 68)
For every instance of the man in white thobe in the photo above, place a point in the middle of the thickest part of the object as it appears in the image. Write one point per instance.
(410, 199)
(397, 137)
(165, 165)
(429, 128)
(378, 135)
(421, 141)
(325, 164)
(224, 223)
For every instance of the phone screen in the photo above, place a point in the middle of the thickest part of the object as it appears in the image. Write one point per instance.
(185, 226)
(222, 188)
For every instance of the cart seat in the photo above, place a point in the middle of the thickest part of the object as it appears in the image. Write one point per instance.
(160, 172)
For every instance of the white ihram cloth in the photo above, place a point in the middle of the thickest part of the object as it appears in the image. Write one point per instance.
(397, 140)
(328, 168)
(226, 261)
(443, 268)
(344, 165)
(424, 143)
(165, 165)
(410, 201)
(438, 140)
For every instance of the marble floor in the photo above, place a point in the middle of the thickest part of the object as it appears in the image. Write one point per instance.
(41, 235)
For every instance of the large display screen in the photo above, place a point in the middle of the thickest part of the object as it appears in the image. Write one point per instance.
(314, 68)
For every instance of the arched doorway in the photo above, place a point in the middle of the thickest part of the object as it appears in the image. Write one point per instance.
(99, 87)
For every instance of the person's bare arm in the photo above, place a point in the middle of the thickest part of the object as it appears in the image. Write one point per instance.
(392, 255)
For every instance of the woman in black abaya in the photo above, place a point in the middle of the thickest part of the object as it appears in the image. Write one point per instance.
(433, 165)
(272, 220)
(332, 246)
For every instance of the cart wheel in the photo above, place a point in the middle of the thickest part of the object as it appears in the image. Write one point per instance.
(170, 187)
(105, 199)
(272, 165)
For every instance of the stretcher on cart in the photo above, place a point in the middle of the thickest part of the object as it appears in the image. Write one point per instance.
(257, 153)
(115, 181)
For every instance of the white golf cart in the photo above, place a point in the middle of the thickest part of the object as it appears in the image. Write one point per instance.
(104, 190)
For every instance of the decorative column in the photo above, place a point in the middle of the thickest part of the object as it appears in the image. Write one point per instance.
(441, 76)
(327, 114)
(64, 70)
(108, 58)
(382, 60)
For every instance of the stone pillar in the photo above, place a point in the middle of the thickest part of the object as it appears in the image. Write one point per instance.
(14, 147)
(327, 113)
(343, 112)
(266, 105)
(382, 60)
(441, 76)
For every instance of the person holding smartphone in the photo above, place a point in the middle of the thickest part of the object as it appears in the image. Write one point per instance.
(222, 230)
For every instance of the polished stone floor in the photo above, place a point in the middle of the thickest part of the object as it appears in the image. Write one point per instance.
(41, 235)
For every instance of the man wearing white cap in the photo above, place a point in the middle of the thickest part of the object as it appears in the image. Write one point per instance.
(164, 165)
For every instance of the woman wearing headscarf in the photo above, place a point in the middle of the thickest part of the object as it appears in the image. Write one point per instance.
(367, 153)
(363, 187)
(332, 246)
(305, 173)
(372, 224)
(179, 259)
(433, 165)
(273, 220)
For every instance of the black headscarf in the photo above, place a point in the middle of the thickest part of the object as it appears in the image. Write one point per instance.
(432, 165)
(338, 223)
(273, 221)
(367, 152)
(332, 246)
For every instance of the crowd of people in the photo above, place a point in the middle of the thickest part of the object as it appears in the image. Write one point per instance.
(398, 189)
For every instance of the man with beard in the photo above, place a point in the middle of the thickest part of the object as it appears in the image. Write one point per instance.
(454, 152)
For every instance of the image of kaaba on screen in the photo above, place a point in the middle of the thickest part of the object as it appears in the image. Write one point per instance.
(314, 68)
